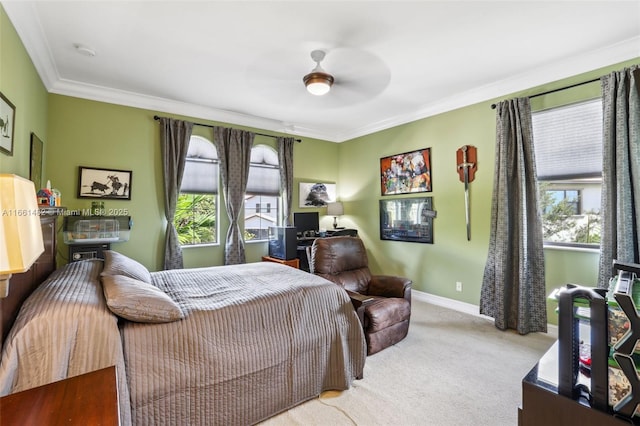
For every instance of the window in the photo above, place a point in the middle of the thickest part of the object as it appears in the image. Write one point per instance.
(568, 148)
(196, 215)
(262, 197)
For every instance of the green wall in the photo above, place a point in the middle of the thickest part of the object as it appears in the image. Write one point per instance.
(435, 268)
(79, 132)
(20, 83)
(97, 134)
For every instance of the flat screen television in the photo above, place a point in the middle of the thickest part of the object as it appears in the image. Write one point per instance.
(307, 221)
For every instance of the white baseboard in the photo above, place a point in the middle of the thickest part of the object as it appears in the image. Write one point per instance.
(467, 308)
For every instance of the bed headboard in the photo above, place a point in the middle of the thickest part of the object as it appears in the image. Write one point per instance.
(22, 285)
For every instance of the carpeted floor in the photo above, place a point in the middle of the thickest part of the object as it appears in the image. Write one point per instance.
(452, 369)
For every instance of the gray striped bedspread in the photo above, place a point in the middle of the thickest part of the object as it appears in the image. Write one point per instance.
(257, 339)
(64, 329)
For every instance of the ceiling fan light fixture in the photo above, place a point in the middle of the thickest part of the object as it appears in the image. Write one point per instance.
(318, 83)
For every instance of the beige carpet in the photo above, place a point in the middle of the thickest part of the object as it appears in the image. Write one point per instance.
(452, 369)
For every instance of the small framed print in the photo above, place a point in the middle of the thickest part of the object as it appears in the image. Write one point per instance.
(317, 194)
(7, 124)
(104, 183)
(35, 165)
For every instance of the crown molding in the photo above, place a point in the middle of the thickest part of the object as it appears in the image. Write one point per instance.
(22, 16)
(568, 67)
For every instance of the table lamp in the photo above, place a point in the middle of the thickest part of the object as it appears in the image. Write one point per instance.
(335, 210)
(20, 230)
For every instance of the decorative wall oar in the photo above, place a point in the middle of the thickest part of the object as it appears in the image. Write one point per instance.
(467, 162)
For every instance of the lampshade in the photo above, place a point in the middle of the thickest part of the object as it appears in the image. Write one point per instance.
(20, 230)
(335, 209)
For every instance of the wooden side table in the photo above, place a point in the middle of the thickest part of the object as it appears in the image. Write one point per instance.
(294, 263)
(88, 399)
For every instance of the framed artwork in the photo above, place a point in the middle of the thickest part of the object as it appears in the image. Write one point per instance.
(7, 123)
(407, 219)
(35, 165)
(406, 173)
(104, 183)
(317, 194)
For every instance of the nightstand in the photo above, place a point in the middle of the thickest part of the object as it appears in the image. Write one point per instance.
(294, 263)
(87, 399)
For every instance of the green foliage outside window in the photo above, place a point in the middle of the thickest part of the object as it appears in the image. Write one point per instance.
(195, 219)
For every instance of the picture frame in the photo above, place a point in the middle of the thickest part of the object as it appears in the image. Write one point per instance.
(316, 194)
(7, 124)
(104, 183)
(406, 173)
(407, 219)
(35, 160)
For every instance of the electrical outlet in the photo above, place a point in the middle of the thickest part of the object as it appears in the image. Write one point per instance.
(458, 286)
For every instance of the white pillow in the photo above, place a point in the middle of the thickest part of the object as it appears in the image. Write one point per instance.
(138, 301)
(118, 264)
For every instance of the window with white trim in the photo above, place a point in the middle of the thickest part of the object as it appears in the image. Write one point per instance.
(262, 199)
(196, 218)
(568, 148)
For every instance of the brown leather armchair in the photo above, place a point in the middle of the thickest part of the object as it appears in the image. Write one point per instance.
(382, 302)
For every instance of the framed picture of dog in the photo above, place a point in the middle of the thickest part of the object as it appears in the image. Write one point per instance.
(104, 183)
(406, 173)
(317, 194)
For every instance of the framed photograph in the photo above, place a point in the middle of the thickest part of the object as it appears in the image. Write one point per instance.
(406, 173)
(407, 219)
(104, 183)
(7, 123)
(35, 165)
(317, 194)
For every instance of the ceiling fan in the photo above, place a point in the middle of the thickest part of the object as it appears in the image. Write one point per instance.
(318, 81)
(356, 75)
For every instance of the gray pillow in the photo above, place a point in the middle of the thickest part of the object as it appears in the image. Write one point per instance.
(118, 264)
(138, 301)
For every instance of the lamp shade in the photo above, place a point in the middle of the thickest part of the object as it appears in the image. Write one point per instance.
(20, 230)
(335, 209)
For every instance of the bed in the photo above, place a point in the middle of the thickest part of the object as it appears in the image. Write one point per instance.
(221, 345)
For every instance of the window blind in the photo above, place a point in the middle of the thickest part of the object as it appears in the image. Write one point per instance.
(201, 168)
(568, 141)
(264, 172)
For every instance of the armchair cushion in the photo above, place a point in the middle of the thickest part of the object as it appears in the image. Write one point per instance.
(385, 312)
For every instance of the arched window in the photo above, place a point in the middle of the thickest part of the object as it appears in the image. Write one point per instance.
(262, 199)
(196, 218)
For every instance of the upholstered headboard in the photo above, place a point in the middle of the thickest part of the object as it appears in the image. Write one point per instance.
(22, 285)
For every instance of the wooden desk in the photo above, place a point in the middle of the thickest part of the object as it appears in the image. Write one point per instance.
(294, 263)
(88, 399)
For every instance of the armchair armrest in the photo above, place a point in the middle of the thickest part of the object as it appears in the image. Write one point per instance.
(359, 301)
(390, 286)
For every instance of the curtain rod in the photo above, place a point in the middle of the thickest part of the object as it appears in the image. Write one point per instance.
(493, 106)
(156, 117)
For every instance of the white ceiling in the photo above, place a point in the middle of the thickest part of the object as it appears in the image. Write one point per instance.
(242, 62)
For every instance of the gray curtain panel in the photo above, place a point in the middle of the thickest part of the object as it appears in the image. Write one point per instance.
(174, 135)
(513, 286)
(285, 158)
(234, 152)
(620, 170)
